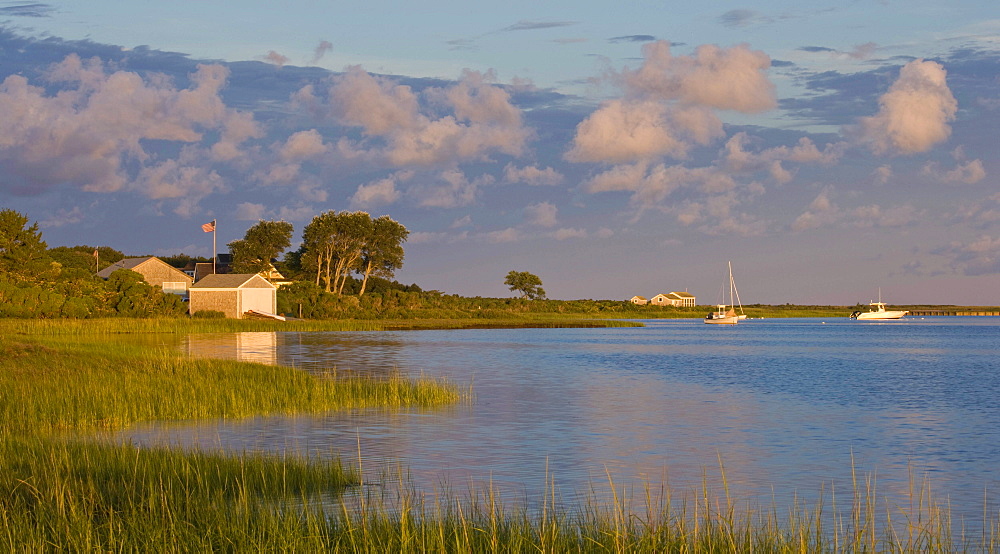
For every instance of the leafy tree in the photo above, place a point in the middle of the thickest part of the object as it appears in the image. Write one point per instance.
(529, 285)
(180, 261)
(317, 248)
(136, 298)
(383, 253)
(332, 246)
(23, 253)
(82, 257)
(262, 243)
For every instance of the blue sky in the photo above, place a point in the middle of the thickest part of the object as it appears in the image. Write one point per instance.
(613, 149)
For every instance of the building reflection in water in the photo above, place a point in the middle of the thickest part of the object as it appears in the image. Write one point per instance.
(257, 346)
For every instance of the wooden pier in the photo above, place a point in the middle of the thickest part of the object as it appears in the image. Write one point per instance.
(961, 312)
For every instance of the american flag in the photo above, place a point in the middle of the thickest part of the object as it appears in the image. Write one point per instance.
(208, 227)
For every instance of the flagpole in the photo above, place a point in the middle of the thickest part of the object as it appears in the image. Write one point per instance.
(215, 256)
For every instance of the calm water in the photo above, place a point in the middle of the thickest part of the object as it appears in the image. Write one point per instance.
(787, 405)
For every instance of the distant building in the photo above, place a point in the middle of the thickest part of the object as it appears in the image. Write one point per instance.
(275, 276)
(660, 300)
(233, 294)
(221, 266)
(682, 299)
(678, 299)
(155, 271)
(639, 300)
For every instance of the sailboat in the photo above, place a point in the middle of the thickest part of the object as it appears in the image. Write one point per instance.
(726, 313)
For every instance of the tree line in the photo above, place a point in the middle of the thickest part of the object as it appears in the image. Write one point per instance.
(342, 253)
(344, 267)
(335, 246)
(39, 282)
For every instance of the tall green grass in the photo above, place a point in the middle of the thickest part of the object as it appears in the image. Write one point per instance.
(56, 496)
(73, 384)
(63, 490)
(181, 326)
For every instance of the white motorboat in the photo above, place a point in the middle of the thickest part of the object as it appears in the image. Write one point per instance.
(878, 311)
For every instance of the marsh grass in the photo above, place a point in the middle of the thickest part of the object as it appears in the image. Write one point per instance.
(78, 496)
(652, 518)
(84, 496)
(183, 325)
(63, 490)
(68, 383)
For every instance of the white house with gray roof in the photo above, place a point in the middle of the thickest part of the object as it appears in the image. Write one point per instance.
(233, 294)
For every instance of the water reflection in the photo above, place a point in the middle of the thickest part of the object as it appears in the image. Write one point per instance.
(258, 347)
(786, 406)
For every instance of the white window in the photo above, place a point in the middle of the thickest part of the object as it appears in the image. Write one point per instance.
(179, 287)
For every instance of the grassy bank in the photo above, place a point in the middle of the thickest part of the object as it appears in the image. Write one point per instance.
(57, 496)
(63, 490)
(184, 325)
(88, 382)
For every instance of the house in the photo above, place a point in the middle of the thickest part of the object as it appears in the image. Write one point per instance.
(275, 276)
(221, 266)
(661, 300)
(639, 300)
(233, 294)
(673, 299)
(155, 271)
(682, 299)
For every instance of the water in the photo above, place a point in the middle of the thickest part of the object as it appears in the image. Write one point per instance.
(785, 408)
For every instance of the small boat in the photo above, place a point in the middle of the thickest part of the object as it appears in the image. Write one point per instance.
(726, 313)
(878, 311)
(722, 315)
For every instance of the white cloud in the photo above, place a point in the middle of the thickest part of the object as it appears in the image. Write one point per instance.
(821, 212)
(249, 211)
(981, 256)
(542, 214)
(627, 131)
(568, 233)
(875, 216)
(302, 145)
(98, 124)
(914, 114)
(736, 158)
(732, 78)
(453, 190)
(509, 234)
(882, 174)
(482, 119)
(532, 175)
(669, 104)
(376, 193)
(968, 172)
(174, 179)
(463, 221)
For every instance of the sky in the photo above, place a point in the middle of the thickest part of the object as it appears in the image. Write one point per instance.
(614, 149)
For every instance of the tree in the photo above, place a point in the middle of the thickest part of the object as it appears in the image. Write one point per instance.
(262, 243)
(382, 254)
(23, 253)
(134, 297)
(352, 231)
(82, 257)
(529, 285)
(332, 246)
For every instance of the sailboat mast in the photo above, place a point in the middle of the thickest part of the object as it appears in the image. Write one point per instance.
(731, 302)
